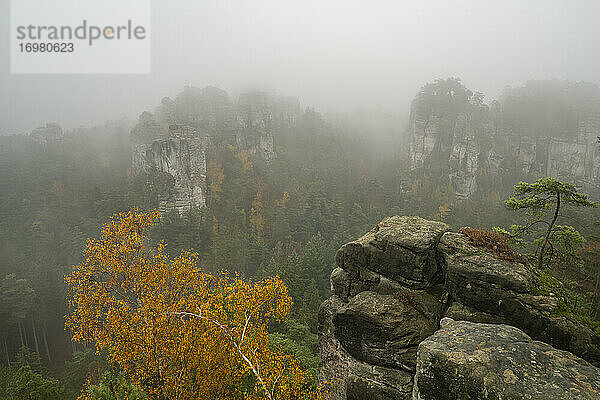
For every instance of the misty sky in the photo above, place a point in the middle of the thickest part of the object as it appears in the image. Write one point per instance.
(334, 55)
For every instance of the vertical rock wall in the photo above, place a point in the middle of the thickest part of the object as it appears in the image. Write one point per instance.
(181, 153)
(466, 140)
(175, 138)
(52, 133)
(255, 124)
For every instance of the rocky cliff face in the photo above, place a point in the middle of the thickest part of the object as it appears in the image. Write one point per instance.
(181, 153)
(52, 133)
(452, 130)
(175, 138)
(393, 286)
(255, 124)
(465, 360)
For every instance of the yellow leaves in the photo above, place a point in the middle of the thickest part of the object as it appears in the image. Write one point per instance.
(443, 211)
(416, 186)
(282, 203)
(243, 157)
(179, 332)
(57, 187)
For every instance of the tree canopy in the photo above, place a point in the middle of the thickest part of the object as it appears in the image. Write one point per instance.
(174, 330)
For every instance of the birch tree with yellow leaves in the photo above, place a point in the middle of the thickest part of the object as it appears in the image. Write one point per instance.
(175, 330)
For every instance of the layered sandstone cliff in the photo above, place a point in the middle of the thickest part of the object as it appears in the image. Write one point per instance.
(181, 153)
(176, 137)
(383, 335)
(452, 130)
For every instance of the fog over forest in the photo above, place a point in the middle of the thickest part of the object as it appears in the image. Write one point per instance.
(336, 56)
(302, 200)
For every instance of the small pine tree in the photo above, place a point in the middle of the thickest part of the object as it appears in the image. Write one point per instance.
(538, 199)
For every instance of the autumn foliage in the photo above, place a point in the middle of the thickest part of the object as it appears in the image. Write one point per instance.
(174, 330)
(493, 242)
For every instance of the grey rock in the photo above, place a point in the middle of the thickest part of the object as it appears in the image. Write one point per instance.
(465, 360)
(430, 301)
(471, 271)
(372, 382)
(50, 134)
(540, 318)
(402, 249)
(181, 153)
(479, 279)
(333, 360)
(345, 285)
(382, 329)
(208, 110)
(484, 283)
(255, 124)
(460, 312)
(340, 283)
(371, 328)
(470, 141)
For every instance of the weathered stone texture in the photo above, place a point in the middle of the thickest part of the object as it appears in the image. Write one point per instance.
(469, 143)
(175, 138)
(484, 282)
(400, 248)
(465, 360)
(394, 285)
(334, 359)
(255, 124)
(382, 329)
(181, 154)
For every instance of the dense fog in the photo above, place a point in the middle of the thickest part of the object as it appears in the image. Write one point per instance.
(303, 200)
(336, 56)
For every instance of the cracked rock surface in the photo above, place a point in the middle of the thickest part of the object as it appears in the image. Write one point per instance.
(382, 334)
(466, 360)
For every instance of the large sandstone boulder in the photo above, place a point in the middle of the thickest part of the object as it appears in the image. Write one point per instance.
(346, 285)
(479, 278)
(460, 312)
(393, 286)
(465, 360)
(382, 329)
(400, 248)
(497, 290)
(373, 382)
(541, 318)
(351, 378)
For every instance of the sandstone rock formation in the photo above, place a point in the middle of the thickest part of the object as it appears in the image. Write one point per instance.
(175, 138)
(255, 124)
(403, 250)
(450, 129)
(465, 360)
(181, 153)
(260, 118)
(208, 110)
(394, 285)
(52, 133)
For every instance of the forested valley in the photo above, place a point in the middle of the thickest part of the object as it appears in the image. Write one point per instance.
(327, 183)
